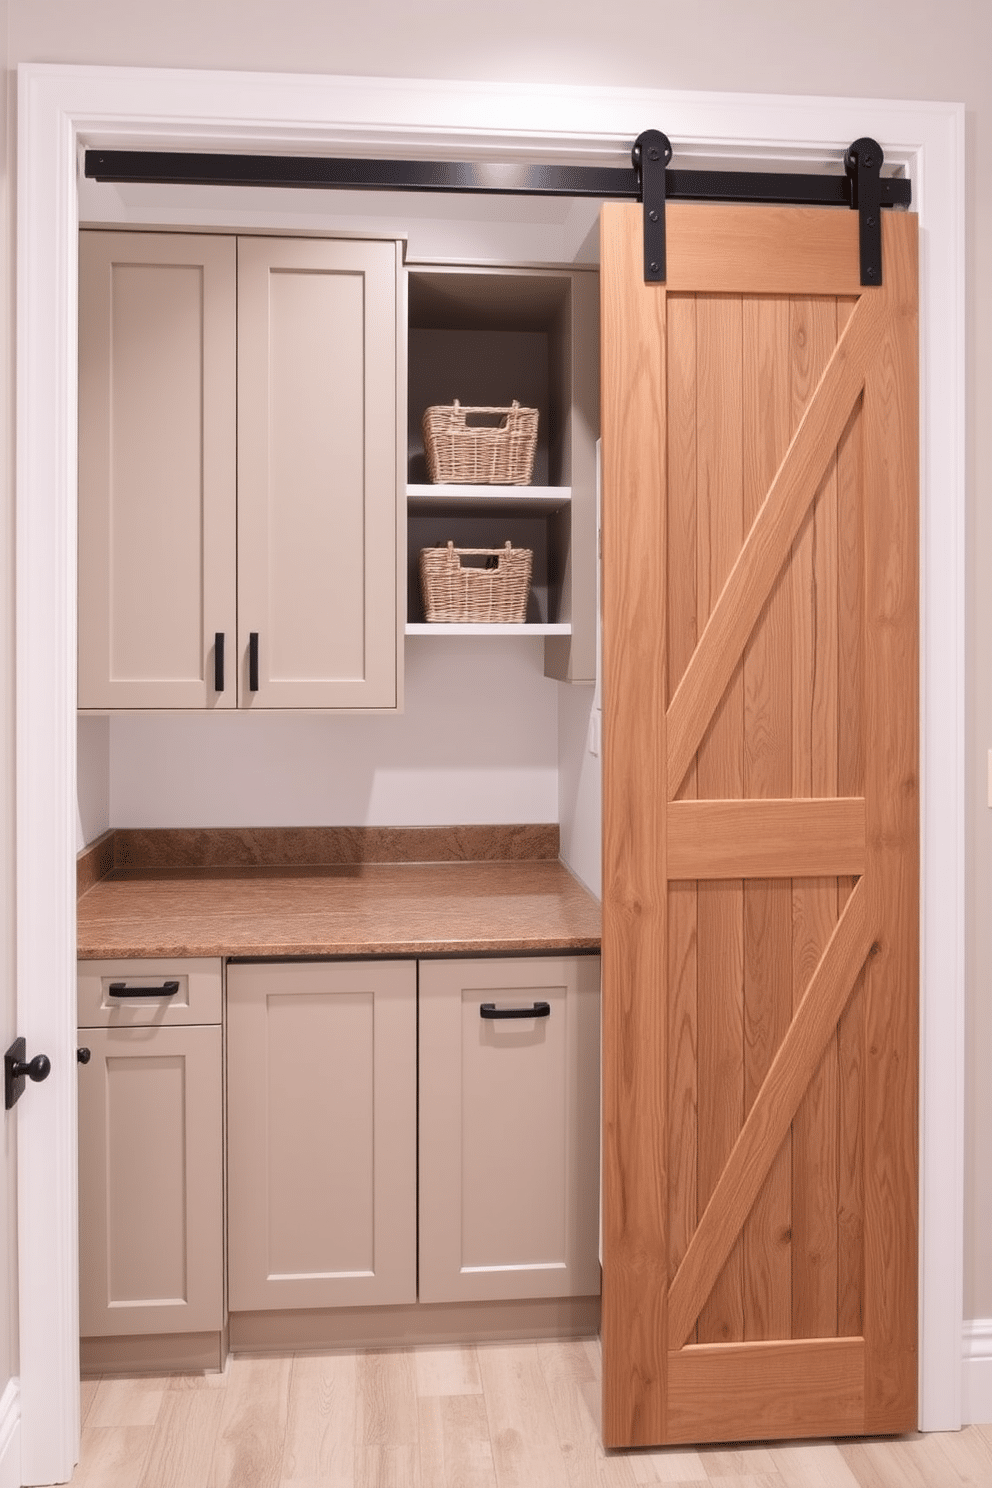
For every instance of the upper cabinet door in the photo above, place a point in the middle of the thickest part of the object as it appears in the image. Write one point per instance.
(318, 493)
(157, 469)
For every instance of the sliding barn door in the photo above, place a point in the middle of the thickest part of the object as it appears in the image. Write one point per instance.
(760, 931)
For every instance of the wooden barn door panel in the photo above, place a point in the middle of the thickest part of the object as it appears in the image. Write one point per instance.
(760, 829)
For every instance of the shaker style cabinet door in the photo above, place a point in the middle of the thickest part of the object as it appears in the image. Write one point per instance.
(318, 484)
(151, 1201)
(509, 1129)
(157, 470)
(322, 1134)
(150, 1181)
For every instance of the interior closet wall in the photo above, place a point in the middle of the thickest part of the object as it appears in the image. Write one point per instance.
(477, 742)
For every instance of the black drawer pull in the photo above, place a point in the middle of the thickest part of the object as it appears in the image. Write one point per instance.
(253, 661)
(539, 1010)
(121, 989)
(219, 661)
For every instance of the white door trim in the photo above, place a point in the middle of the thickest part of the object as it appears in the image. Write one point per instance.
(61, 108)
(10, 1435)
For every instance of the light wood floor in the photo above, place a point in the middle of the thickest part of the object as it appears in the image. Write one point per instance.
(496, 1416)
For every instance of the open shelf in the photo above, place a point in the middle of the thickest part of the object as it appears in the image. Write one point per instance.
(440, 628)
(487, 336)
(513, 499)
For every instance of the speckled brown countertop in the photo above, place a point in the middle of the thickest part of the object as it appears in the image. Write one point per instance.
(336, 909)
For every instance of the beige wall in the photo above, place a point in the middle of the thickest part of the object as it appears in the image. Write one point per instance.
(875, 48)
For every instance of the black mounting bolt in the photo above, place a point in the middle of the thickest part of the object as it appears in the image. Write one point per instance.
(653, 216)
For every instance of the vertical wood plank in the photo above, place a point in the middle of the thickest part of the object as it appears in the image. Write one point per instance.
(814, 589)
(891, 405)
(767, 773)
(851, 745)
(682, 634)
(720, 535)
(635, 1063)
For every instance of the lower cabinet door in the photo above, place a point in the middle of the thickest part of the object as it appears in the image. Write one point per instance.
(322, 1134)
(151, 1212)
(509, 1128)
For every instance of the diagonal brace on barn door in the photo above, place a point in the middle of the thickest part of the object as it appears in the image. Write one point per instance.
(766, 547)
(773, 1110)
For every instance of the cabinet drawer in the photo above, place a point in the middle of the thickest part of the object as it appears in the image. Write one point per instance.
(105, 993)
(509, 1129)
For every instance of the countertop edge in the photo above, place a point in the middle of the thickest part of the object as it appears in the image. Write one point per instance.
(408, 950)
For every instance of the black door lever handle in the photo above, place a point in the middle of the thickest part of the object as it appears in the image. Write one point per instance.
(16, 1070)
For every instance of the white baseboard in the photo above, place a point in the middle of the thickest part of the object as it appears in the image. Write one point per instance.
(10, 1435)
(976, 1387)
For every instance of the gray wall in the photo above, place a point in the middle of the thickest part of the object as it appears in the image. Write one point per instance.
(874, 48)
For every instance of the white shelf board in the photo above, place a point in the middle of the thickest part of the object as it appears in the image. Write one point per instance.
(518, 498)
(438, 628)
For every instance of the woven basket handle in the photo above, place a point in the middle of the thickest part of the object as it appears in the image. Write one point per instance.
(460, 412)
(499, 553)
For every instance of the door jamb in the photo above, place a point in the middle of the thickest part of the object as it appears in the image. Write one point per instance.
(61, 108)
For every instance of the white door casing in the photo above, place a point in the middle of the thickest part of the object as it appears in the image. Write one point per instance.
(61, 109)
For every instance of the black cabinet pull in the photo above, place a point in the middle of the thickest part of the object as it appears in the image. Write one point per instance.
(121, 989)
(83, 1055)
(539, 1010)
(253, 661)
(219, 661)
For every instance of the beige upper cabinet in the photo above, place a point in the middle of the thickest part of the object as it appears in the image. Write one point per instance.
(317, 476)
(157, 468)
(238, 481)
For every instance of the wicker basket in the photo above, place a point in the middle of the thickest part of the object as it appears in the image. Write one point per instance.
(483, 455)
(458, 594)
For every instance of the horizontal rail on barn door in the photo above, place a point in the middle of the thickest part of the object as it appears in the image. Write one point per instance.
(649, 178)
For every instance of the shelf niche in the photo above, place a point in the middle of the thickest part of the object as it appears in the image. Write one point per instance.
(487, 337)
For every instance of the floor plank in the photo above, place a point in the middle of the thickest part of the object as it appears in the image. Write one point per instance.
(387, 1467)
(884, 1464)
(185, 1439)
(87, 1394)
(668, 1465)
(743, 1461)
(573, 1389)
(454, 1441)
(112, 1457)
(524, 1440)
(447, 1371)
(386, 1400)
(812, 1465)
(249, 1445)
(127, 1402)
(319, 1446)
